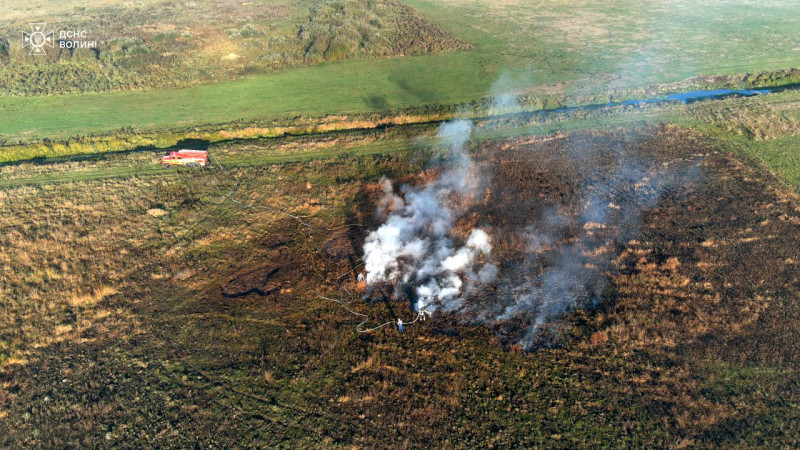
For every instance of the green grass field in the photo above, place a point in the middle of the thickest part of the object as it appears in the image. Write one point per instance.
(569, 48)
(352, 87)
(765, 128)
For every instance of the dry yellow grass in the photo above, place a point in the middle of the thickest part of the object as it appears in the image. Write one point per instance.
(24, 9)
(91, 298)
(65, 251)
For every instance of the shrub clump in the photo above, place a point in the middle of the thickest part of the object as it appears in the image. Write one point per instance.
(342, 29)
(4, 50)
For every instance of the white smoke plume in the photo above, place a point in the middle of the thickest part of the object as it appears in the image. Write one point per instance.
(504, 98)
(414, 250)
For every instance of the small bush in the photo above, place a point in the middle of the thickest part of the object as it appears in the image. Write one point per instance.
(4, 50)
(249, 31)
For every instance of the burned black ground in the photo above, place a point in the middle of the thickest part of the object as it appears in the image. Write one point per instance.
(691, 346)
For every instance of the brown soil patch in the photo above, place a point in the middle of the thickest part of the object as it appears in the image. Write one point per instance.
(274, 241)
(339, 246)
(261, 280)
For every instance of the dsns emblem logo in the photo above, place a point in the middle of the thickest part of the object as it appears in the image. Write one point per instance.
(37, 39)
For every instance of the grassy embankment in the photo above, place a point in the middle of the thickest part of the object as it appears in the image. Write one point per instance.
(764, 128)
(545, 65)
(129, 139)
(160, 44)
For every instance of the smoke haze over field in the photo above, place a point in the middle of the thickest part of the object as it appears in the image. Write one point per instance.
(571, 256)
(568, 247)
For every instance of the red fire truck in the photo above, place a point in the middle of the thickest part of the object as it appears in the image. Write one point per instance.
(189, 158)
